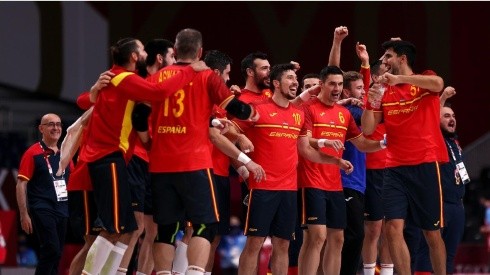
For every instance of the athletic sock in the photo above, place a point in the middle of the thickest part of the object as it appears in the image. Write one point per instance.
(194, 270)
(369, 269)
(180, 260)
(386, 269)
(97, 255)
(112, 264)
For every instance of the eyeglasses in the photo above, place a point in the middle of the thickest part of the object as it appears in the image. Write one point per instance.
(52, 124)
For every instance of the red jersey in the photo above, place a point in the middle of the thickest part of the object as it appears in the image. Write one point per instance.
(248, 96)
(411, 115)
(180, 134)
(221, 162)
(110, 126)
(83, 101)
(275, 138)
(326, 122)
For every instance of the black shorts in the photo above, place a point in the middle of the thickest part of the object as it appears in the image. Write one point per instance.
(414, 190)
(189, 196)
(374, 187)
(324, 207)
(223, 194)
(83, 213)
(112, 194)
(271, 213)
(138, 178)
(297, 241)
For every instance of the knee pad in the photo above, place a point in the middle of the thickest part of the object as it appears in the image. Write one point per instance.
(206, 231)
(166, 233)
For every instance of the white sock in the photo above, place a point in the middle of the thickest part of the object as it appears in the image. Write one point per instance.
(180, 263)
(207, 273)
(369, 269)
(194, 270)
(140, 273)
(386, 269)
(97, 255)
(164, 272)
(111, 266)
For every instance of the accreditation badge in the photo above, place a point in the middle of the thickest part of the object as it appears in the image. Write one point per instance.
(465, 178)
(60, 188)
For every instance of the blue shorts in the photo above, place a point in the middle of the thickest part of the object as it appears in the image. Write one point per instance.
(324, 207)
(184, 196)
(373, 208)
(271, 213)
(414, 190)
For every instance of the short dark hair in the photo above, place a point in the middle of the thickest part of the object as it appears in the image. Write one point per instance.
(310, 75)
(248, 62)
(401, 47)
(447, 104)
(155, 47)
(325, 72)
(350, 77)
(375, 66)
(278, 70)
(215, 59)
(122, 50)
(187, 43)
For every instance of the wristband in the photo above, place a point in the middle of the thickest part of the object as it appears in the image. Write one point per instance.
(321, 143)
(305, 96)
(382, 144)
(243, 158)
(215, 122)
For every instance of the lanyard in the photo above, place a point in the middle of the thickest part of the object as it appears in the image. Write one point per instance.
(45, 155)
(452, 151)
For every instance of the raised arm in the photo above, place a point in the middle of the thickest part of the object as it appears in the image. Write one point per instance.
(338, 35)
(446, 94)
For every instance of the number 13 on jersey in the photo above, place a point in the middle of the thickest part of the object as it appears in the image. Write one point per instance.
(175, 104)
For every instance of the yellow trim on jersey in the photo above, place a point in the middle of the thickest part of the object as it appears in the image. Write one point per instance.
(354, 137)
(118, 78)
(277, 126)
(226, 101)
(407, 102)
(329, 126)
(23, 177)
(127, 126)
